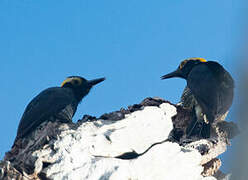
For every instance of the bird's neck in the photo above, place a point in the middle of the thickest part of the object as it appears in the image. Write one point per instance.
(79, 94)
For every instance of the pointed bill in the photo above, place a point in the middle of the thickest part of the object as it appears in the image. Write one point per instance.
(95, 81)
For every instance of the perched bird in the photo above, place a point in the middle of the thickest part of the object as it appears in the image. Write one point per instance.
(209, 90)
(55, 103)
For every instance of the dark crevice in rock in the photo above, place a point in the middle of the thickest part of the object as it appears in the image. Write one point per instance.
(107, 137)
(211, 167)
(46, 164)
(181, 122)
(134, 154)
(43, 176)
(203, 149)
(128, 155)
(107, 175)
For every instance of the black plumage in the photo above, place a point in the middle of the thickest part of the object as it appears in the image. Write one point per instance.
(209, 90)
(56, 103)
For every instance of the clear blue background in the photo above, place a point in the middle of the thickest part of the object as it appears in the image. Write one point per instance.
(132, 43)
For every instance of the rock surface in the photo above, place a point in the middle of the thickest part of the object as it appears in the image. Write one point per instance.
(146, 141)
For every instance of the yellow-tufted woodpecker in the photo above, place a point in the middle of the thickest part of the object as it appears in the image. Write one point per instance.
(209, 90)
(55, 103)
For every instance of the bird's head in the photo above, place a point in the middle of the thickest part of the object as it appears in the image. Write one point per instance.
(80, 86)
(184, 68)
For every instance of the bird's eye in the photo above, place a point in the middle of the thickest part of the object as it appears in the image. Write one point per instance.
(76, 82)
(183, 63)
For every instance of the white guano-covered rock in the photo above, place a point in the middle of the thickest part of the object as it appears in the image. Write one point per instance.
(146, 141)
(89, 151)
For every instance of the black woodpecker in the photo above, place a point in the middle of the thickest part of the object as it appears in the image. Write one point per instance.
(55, 103)
(209, 90)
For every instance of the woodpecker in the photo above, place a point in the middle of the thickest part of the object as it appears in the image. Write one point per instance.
(55, 103)
(209, 91)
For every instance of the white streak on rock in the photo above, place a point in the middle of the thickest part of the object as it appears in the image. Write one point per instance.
(76, 151)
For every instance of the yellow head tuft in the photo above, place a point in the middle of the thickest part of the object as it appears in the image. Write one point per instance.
(73, 80)
(197, 59)
(191, 59)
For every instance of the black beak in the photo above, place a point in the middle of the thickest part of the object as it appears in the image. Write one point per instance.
(176, 73)
(95, 81)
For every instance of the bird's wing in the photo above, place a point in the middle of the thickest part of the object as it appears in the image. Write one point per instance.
(49, 102)
(204, 87)
(225, 85)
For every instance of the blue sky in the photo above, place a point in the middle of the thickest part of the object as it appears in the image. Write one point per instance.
(131, 43)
